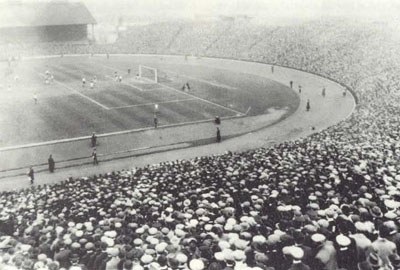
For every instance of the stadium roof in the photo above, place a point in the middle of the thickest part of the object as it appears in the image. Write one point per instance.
(29, 14)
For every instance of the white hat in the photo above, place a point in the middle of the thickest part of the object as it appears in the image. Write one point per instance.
(182, 258)
(343, 240)
(317, 237)
(161, 247)
(259, 239)
(196, 264)
(391, 204)
(239, 255)
(152, 231)
(296, 252)
(223, 245)
(146, 259)
(219, 256)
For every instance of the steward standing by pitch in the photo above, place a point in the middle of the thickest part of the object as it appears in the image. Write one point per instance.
(31, 175)
(51, 164)
(93, 140)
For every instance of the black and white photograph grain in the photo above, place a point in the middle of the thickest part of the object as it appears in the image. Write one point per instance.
(199, 135)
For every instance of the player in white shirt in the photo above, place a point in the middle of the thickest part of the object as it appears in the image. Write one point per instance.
(83, 82)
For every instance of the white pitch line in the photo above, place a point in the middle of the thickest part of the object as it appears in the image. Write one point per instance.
(110, 68)
(207, 101)
(202, 99)
(128, 84)
(248, 110)
(79, 93)
(202, 80)
(155, 89)
(152, 103)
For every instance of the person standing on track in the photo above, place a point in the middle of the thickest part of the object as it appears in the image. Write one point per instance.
(299, 89)
(308, 107)
(155, 121)
(94, 157)
(35, 98)
(31, 175)
(218, 135)
(93, 140)
(323, 92)
(51, 164)
(291, 84)
(156, 110)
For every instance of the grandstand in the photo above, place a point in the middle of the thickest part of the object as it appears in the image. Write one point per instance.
(56, 21)
(300, 190)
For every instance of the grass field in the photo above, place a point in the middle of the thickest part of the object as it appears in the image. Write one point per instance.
(65, 109)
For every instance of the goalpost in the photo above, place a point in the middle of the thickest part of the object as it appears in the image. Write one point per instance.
(148, 73)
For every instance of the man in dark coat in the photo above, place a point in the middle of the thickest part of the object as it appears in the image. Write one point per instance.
(31, 175)
(101, 257)
(297, 256)
(94, 140)
(62, 255)
(51, 164)
(155, 120)
(94, 157)
(218, 135)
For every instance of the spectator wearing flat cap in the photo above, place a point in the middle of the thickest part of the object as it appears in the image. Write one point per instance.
(89, 256)
(325, 253)
(297, 255)
(346, 252)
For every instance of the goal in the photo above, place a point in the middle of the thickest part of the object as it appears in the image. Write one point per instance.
(148, 73)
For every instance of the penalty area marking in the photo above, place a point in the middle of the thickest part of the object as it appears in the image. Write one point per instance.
(78, 93)
(190, 95)
(152, 103)
(201, 80)
(128, 84)
(204, 100)
(136, 87)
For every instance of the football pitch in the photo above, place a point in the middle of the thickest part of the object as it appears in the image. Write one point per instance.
(66, 109)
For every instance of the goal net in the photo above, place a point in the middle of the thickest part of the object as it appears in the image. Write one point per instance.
(148, 73)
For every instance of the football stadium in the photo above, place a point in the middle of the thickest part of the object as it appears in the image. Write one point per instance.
(134, 136)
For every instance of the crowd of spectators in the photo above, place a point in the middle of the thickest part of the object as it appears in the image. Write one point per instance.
(328, 201)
